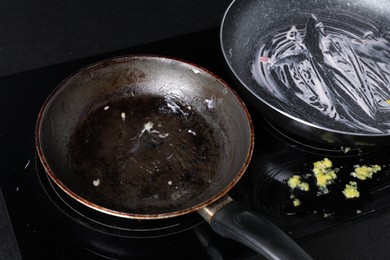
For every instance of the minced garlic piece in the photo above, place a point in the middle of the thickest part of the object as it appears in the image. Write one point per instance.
(296, 202)
(295, 182)
(326, 178)
(323, 172)
(304, 186)
(321, 166)
(351, 190)
(364, 172)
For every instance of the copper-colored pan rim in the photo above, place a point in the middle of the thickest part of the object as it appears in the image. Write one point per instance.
(129, 215)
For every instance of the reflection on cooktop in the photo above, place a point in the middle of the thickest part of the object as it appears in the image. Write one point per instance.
(37, 213)
(310, 207)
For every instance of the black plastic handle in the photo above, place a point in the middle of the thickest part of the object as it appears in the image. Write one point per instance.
(251, 229)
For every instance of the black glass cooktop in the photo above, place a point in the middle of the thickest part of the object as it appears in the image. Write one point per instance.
(47, 225)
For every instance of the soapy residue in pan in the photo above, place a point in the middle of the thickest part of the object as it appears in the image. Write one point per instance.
(333, 71)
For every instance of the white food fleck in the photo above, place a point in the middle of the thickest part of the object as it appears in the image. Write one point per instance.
(123, 116)
(106, 107)
(196, 71)
(345, 149)
(96, 182)
(210, 103)
(191, 132)
(169, 182)
(178, 194)
(165, 135)
(148, 126)
(27, 164)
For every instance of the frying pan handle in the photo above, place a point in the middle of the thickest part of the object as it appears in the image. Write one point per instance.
(236, 222)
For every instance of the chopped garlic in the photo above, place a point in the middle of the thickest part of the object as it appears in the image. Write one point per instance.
(294, 181)
(351, 190)
(323, 172)
(304, 186)
(296, 202)
(324, 179)
(325, 163)
(364, 172)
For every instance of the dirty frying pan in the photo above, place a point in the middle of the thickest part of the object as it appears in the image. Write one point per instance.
(146, 137)
(316, 69)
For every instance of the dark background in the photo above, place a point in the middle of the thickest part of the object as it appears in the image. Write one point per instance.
(40, 33)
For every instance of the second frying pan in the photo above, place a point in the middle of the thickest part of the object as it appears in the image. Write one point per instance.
(318, 69)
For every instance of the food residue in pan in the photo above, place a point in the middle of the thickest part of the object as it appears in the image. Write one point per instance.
(152, 152)
(123, 116)
(96, 182)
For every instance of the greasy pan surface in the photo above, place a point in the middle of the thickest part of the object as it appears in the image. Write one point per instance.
(319, 69)
(144, 137)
